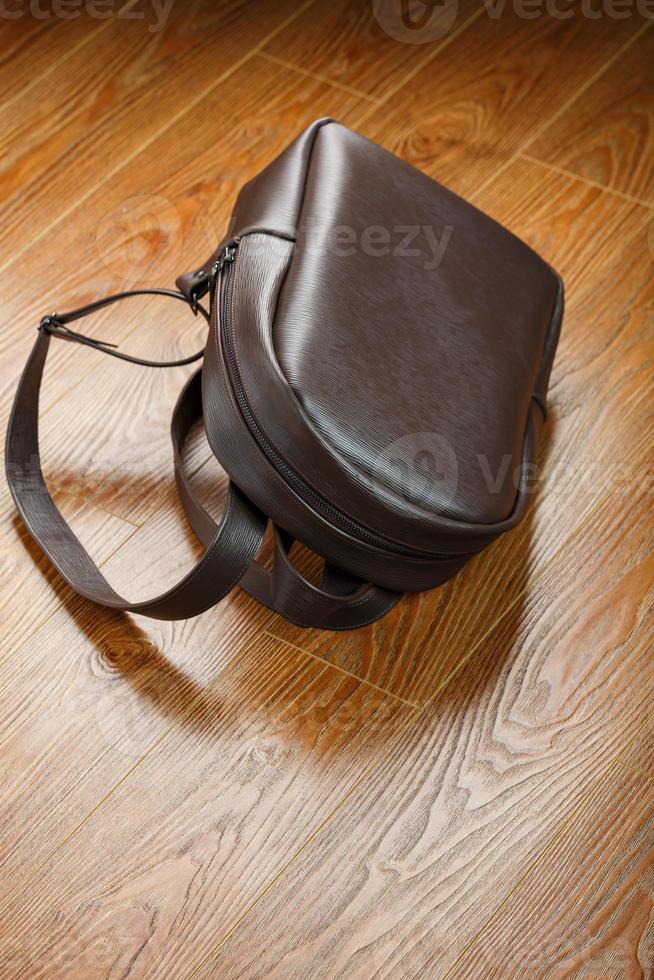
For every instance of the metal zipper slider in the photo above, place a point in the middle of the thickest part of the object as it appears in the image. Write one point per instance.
(227, 256)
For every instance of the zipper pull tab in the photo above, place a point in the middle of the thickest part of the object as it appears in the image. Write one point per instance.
(227, 256)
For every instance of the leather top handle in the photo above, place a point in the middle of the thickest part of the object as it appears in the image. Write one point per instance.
(229, 552)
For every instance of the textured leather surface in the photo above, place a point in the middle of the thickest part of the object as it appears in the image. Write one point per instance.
(233, 444)
(388, 359)
(359, 366)
(261, 269)
(378, 348)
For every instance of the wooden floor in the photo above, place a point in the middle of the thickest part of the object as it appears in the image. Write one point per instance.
(464, 789)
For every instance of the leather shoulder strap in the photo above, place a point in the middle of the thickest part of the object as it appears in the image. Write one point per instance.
(230, 551)
(342, 601)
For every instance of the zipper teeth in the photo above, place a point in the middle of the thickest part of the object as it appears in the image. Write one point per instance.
(293, 478)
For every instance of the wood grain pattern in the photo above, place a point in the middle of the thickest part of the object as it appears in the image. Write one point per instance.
(23, 42)
(602, 922)
(108, 686)
(589, 443)
(146, 226)
(102, 687)
(103, 109)
(345, 42)
(32, 589)
(265, 754)
(473, 106)
(608, 135)
(418, 858)
(203, 795)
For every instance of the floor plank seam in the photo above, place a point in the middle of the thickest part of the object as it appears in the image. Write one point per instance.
(585, 180)
(586, 85)
(393, 741)
(316, 76)
(68, 837)
(68, 592)
(169, 496)
(327, 663)
(585, 520)
(647, 776)
(419, 65)
(173, 120)
(90, 502)
(168, 491)
(550, 120)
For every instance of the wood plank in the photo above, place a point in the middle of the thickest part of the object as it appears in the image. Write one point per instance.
(585, 908)
(600, 410)
(34, 45)
(152, 221)
(249, 745)
(471, 108)
(99, 105)
(164, 549)
(93, 438)
(431, 842)
(608, 134)
(33, 589)
(92, 691)
(251, 769)
(109, 440)
(354, 44)
(24, 42)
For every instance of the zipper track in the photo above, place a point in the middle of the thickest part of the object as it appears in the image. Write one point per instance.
(221, 301)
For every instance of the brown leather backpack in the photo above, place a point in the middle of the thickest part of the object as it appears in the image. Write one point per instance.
(374, 383)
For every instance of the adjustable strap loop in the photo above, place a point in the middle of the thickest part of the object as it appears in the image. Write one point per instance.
(55, 325)
(230, 551)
